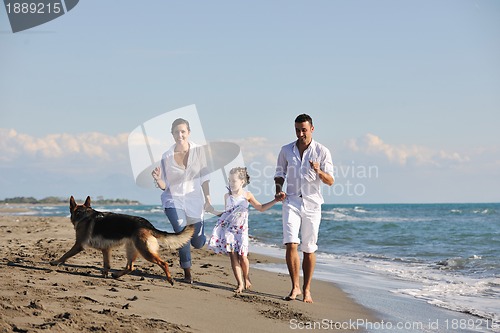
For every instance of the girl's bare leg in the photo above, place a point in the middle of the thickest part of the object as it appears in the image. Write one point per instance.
(235, 264)
(245, 267)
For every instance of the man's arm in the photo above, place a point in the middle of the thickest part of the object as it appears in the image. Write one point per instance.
(326, 178)
(279, 177)
(278, 183)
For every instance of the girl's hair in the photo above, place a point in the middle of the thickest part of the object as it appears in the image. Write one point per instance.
(180, 121)
(242, 174)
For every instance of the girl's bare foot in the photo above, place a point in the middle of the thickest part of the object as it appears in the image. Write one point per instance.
(293, 295)
(238, 290)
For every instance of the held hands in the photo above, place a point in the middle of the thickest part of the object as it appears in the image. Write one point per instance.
(209, 208)
(281, 196)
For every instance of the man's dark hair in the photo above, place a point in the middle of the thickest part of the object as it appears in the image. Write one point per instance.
(301, 118)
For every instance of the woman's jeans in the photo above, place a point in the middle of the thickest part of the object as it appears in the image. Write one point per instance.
(178, 219)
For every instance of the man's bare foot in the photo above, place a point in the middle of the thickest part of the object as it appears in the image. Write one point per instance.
(293, 295)
(248, 284)
(307, 297)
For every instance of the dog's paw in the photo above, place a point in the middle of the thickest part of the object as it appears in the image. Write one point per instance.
(54, 263)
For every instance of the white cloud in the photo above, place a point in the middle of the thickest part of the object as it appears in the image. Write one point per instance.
(258, 149)
(103, 148)
(373, 145)
(97, 163)
(19, 147)
(66, 164)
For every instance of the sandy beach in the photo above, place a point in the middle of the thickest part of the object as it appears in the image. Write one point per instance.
(36, 297)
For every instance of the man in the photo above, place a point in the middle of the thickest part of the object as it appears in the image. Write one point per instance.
(304, 164)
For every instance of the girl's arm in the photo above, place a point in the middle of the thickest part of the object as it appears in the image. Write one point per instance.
(257, 205)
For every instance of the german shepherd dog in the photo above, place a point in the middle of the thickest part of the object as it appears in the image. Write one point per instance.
(105, 231)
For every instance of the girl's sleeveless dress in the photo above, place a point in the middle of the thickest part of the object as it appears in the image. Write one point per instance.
(230, 233)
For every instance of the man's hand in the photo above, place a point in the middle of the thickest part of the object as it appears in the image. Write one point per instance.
(325, 178)
(315, 166)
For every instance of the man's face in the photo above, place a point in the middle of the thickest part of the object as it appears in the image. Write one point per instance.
(304, 132)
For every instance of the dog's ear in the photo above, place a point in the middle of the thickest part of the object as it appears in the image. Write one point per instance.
(72, 204)
(87, 202)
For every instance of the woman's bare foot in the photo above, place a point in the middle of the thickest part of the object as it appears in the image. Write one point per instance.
(239, 289)
(293, 295)
(188, 278)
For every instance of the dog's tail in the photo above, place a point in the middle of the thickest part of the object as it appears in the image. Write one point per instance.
(175, 240)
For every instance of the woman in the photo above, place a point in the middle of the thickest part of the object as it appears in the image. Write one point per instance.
(183, 177)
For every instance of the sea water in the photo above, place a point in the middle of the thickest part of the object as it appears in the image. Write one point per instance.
(433, 264)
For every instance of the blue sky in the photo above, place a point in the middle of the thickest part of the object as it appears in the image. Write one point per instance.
(406, 94)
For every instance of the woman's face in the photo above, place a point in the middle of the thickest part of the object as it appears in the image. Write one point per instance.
(235, 183)
(180, 133)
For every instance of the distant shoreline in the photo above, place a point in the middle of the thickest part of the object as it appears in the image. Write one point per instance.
(24, 207)
(56, 201)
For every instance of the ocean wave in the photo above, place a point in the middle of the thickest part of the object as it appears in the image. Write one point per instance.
(487, 211)
(27, 213)
(457, 292)
(360, 209)
(456, 263)
(462, 295)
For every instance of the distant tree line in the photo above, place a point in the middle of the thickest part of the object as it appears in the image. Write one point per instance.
(57, 200)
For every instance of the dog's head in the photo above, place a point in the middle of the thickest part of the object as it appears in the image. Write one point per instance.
(79, 212)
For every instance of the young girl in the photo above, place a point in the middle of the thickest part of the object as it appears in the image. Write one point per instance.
(230, 234)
